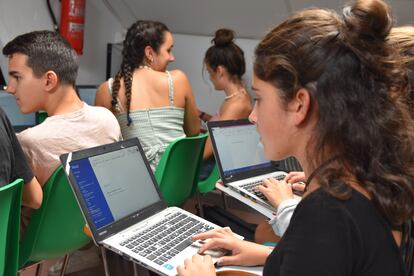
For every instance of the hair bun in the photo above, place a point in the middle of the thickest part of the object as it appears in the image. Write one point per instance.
(223, 37)
(368, 18)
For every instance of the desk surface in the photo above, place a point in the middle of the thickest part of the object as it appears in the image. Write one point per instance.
(257, 270)
(261, 209)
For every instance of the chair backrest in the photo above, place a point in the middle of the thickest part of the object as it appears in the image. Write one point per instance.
(56, 228)
(177, 171)
(10, 206)
(40, 117)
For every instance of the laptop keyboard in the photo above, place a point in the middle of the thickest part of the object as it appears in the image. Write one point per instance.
(251, 187)
(290, 164)
(162, 241)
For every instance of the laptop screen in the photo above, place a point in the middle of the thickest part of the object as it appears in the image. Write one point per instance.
(87, 93)
(18, 120)
(239, 148)
(114, 185)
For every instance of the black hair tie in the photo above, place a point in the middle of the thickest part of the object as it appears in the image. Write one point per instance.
(318, 169)
(129, 119)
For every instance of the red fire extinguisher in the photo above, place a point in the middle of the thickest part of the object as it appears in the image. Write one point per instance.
(72, 22)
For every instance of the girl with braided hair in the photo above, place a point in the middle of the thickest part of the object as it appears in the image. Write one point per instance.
(332, 91)
(150, 103)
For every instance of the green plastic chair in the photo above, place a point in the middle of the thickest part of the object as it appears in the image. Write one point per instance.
(177, 172)
(40, 117)
(10, 206)
(209, 184)
(56, 228)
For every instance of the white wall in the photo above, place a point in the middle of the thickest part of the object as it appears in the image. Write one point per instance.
(21, 16)
(189, 53)
(102, 27)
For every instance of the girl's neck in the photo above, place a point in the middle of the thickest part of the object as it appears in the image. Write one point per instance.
(145, 67)
(232, 89)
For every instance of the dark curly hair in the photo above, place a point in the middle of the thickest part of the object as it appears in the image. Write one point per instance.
(358, 87)
(141, 34)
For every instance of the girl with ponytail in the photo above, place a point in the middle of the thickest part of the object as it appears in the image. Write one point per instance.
(225, 64)
(332, 92)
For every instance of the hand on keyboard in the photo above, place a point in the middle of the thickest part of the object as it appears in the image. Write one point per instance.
(218, 252)
(297, 179)
(243, 253)
(294, 177)
(276, 191)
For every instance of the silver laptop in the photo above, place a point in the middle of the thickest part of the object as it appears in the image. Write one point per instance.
(122, 205)
(240, 158)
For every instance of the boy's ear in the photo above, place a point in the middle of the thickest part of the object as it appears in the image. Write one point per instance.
(301, 106)
(51, 80)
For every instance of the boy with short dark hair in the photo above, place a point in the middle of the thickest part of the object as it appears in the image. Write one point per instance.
(43, 69)
(42, 73)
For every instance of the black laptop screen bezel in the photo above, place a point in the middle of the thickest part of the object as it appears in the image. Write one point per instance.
(103, 233)
(241, 175)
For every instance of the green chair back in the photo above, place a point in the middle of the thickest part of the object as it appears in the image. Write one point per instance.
(40, 117)
(208, 184)
(177, 171)
(56, 228)
(10, 206)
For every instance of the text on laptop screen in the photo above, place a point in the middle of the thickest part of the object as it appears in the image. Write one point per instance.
(239, 148)
(114, 184)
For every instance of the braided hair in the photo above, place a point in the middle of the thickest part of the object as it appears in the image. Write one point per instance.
(141, 34)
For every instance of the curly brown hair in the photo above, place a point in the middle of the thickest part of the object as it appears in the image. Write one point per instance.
(357, 84)
(403, 39)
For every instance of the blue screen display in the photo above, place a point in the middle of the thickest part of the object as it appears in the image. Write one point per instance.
(114, 184)
(92, 193)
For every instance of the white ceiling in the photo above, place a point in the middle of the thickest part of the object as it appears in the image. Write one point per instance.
(249, 18)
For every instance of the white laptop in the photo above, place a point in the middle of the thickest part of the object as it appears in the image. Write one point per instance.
(122, 205)
(240, 158)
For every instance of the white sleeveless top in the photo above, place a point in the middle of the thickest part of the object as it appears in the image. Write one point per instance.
(155, 127)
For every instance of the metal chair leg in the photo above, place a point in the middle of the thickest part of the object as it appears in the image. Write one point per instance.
(39, 269)
(64, 265)
(199, 205)
(105, 261)
(136, 270)
(224, 199)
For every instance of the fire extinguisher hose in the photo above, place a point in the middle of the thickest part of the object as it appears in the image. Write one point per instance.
(52, 15)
